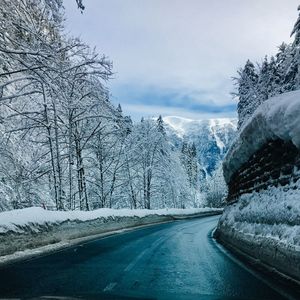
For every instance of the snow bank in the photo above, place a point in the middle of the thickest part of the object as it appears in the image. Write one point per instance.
(33, 231)
(266, 226)
(272, 213)
(20, 219)
(277, 118)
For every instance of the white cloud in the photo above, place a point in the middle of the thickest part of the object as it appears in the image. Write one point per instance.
(184, 44)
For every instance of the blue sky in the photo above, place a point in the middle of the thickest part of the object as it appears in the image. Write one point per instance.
(177, 57)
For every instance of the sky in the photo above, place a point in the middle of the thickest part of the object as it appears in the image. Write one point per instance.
(178, 57)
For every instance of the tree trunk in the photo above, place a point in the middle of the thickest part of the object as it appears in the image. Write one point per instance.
(48, 128)
(58, 166)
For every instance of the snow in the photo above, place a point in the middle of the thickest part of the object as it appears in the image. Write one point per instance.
(17, 220)
(277, 118)
(253, 215)
(265, 225)
(183, 125)
(178, 124)
(213, 124)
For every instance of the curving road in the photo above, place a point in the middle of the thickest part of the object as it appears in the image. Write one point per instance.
(177, 260)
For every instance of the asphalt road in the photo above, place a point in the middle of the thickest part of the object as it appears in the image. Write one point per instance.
(177, 260)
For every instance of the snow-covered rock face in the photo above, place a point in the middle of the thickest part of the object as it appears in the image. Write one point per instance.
(277, 118)
(212, 137)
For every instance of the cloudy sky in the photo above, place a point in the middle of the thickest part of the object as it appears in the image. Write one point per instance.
(177, 57)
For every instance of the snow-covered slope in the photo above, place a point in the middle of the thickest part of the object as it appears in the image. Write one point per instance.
(277, 118)
(212, 137)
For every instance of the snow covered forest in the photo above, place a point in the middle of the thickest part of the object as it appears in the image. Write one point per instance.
(63, 144)
(275, 75)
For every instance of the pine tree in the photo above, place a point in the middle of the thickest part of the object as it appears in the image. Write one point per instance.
(268, 80)
(160, 126)
(296, 30)
(283, 61)
(247, 92)
(128, 124)
(274, 78)
(193, 166)
(279, 75)
(184, 153)
(293, 74)
(119, 109)
(263, 81)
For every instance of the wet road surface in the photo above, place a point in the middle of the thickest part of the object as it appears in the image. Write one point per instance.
(177, 260)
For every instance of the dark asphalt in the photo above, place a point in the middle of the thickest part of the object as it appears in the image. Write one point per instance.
(177, 260)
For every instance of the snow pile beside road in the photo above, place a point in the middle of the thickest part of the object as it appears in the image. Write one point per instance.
(277, 118)
(265, 226)
(20, 219)
(273, 213)
(33, 231)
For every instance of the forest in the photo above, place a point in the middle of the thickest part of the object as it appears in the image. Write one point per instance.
(63, 144)
(275, 75)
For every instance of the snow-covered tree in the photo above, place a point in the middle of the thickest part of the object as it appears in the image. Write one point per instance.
(216, 189)
(63, 144)
(247, 92)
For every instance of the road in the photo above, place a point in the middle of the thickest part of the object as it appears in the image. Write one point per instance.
(177, 260)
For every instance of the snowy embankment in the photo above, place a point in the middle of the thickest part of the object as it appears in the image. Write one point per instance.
(265, 225)
(276, 118)
(35, 227)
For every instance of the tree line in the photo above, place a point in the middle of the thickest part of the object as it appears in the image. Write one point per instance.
(275, 75)
(63, 144)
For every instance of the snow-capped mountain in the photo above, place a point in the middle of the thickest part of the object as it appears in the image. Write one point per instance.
(212, 137)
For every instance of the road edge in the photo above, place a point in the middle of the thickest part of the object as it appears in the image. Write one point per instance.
(257, 265)
(69, 242)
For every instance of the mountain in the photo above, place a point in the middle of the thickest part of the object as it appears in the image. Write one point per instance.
(212, 138)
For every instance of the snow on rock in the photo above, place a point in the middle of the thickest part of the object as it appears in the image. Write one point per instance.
(17, 220)
(272, 213)
(212, 138)
(183, 126)
(179, 124)
(277, 118)
(214, 124)
(265, 225)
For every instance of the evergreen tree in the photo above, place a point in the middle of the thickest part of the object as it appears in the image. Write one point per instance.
(184, 154)
(160, 125)
(119, 109)
(189, 161)
(296, 30)
(293, 74)
(283, 61)
(268, 79)
(264, 81)
(193, 166)
(128, 124)
(247, 92)
(274, 78)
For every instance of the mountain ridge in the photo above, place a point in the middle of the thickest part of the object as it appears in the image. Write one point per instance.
(212, 138)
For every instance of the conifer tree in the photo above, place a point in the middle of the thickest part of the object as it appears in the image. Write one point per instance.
(293, 75)
(247, 92)
(160, 125)
(119, 109)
